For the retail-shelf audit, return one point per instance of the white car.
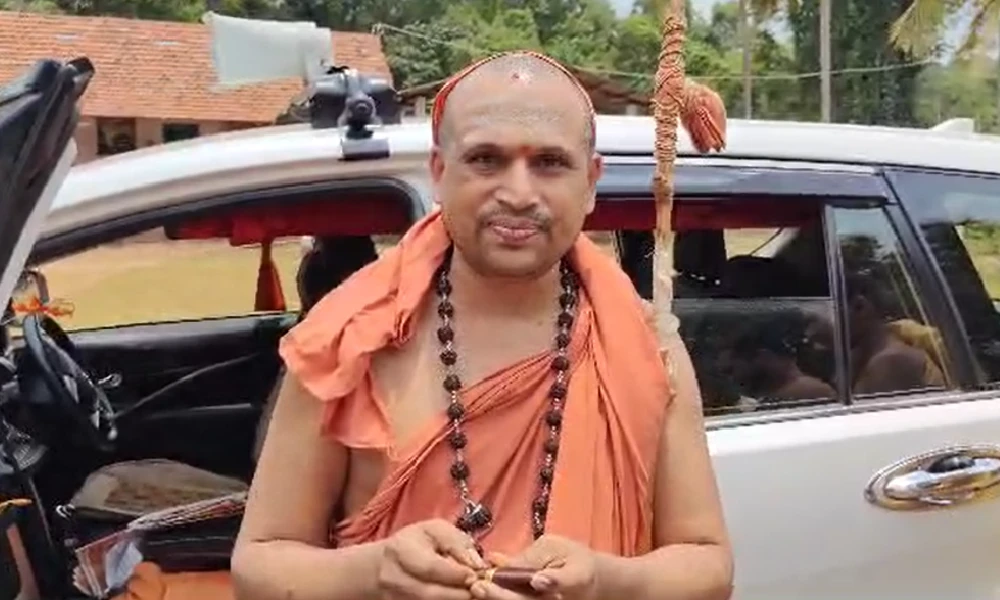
(834, 286)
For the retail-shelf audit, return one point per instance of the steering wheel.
(74, 390)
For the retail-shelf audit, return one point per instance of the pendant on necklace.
(477, 517)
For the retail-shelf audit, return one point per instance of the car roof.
(275, 155)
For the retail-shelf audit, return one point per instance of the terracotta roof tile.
(158, 69)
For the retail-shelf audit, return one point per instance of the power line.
(379, 28)
(794, 76)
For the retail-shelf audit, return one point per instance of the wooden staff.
(703, 114)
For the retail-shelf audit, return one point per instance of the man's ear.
(436, 164)
(595, 169)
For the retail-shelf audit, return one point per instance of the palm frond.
(766, 9)
(984, 25)
(918, 29)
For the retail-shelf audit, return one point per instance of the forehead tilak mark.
(520, 70)
(531, 114)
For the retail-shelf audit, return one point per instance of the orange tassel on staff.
(703, 114)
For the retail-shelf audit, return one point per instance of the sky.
(952, 36)
(622, 7)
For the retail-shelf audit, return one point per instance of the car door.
(169, 314)
(873, 496)
(881, 487)
(37, 120)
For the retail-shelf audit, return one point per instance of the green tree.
(585, 37)
(415, 61)
(964, 88)
(712, 51)
(920, 28)
(432, 50)
(858, 38)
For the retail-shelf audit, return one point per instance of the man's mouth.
(514, 231)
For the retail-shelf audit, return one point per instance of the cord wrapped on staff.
(703, 114)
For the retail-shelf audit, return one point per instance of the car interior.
(107, 425)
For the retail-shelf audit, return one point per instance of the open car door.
(38, 116)
(37, 119)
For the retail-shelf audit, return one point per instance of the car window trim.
(937, 301)
(926, 292)
(838, 291)
(932, 278)
(89, 236)
(903, 401)
(636, 181)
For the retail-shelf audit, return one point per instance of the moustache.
(516, 221)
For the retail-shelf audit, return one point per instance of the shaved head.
(518, 87)
(513, 164)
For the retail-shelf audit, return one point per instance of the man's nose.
(519, 189)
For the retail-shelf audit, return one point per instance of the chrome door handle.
(944, 488)
(940, 478)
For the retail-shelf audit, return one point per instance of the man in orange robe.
(488, 391)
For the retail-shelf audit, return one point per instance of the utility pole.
(996, 121)
(824, 61)
(746, 38)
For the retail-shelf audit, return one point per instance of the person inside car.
(326, 264)
(765, 361)
(884, 362)
(429, 396)
(888, 353)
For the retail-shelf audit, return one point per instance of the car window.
(893, 346)
(750, 278)
(959, 217)
(251, 255)
(150, 278)
(759, 317)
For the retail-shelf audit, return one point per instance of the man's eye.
(483, 160)
(551, 161)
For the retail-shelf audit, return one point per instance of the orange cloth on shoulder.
(602, 492)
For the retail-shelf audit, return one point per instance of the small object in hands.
(515, 579)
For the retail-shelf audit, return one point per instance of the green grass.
(159, 280)
(143, 282)
(985, 256)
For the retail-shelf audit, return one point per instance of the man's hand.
(565, 569)
(430, 560)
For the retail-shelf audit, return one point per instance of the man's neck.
(501, 296)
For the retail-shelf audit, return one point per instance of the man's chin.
(518, 264)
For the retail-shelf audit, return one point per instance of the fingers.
(422, 562)
(539, 555)
(450, 541)
(497, 559)
(431, 591)
(571, 576)
(484, 590)
(399, 584)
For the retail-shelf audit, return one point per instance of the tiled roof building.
(158, 75)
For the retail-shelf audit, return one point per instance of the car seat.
(761, 277)
(699, 258)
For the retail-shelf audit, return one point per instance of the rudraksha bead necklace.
(475, 518)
